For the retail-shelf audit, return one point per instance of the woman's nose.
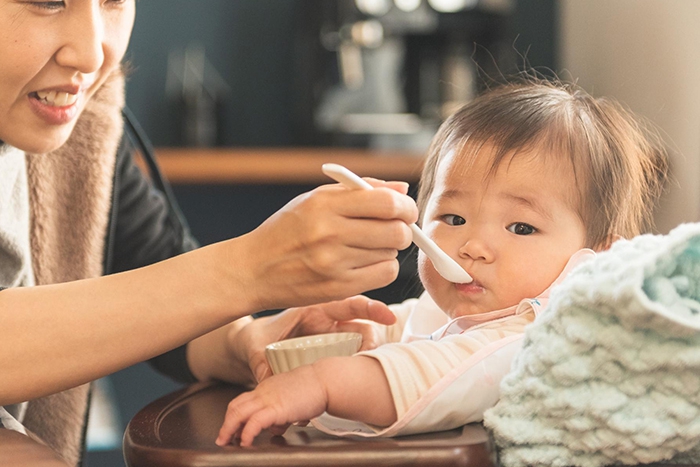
(476, 249)
(82, 49)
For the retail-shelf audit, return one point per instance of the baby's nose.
(476, 249)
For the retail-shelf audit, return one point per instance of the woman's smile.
(56, 106)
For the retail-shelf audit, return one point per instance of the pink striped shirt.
(445, 373)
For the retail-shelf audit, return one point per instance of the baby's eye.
(520, 228)
(453, 219)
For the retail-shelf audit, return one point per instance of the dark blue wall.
(247, 41)
(252, 45)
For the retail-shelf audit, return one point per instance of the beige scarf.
(70, 193)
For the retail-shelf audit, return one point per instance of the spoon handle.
(345, 176)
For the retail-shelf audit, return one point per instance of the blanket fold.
(609, 373)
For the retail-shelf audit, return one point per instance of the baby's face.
(513, 232)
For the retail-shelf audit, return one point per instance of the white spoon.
(444, 264)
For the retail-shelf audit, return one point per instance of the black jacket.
(145, 226)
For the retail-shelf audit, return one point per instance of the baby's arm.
(348, 387)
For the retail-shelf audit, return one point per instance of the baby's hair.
(620, 162)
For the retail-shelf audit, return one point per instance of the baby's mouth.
(55, 98)
(474, 286)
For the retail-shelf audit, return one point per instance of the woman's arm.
(323, 245)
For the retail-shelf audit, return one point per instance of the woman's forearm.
(59, 336)
(217, 355)
(324, 245)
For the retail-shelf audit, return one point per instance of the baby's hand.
(289, 397)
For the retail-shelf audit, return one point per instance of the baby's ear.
(607, 243)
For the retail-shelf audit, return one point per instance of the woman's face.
(54, 55)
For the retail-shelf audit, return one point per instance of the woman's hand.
(236, 353)
(324, 245)
(328, 244)
(340, 316)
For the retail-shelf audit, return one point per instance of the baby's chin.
(474, 309)
(470, 310)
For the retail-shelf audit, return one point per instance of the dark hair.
(620, 162)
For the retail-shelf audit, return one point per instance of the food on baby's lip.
(290, 353)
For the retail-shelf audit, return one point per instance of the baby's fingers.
(239, 410)
(279, 430)
(260, 420)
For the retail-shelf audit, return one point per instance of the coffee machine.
(385, 73)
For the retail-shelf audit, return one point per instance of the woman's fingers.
(370, 337)
(360, 233)
(338, 316)
(371, 276)
(335, 260)
(380, 203)
(401, 187)
(350, 315)
(262, 369)
(327, 244)
(262, 332)
(359, 307)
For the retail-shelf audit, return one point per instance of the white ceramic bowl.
(288, 354)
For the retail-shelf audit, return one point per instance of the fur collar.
(70, 194)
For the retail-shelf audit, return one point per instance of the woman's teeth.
(57, 98)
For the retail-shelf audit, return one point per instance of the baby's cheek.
(531, 285)
(423, 267)
(429, 277)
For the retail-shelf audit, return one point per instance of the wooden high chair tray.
(178, 430)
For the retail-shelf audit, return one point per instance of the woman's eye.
(452, 219)
(520, 228)
(49, 5)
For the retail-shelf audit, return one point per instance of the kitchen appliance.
(385, 73)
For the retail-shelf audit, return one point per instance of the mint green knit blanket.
(609, 373)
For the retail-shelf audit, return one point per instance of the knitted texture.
(609, 373)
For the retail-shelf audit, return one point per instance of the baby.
(519, 186)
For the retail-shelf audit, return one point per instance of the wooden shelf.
(281, 165)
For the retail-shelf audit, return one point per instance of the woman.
(73, 208)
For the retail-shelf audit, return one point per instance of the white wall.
(645, 53)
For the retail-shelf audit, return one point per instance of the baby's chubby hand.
(276, 402)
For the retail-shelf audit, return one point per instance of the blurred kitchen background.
(369, 73)
(259, 85)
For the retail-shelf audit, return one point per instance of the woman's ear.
(607, 243)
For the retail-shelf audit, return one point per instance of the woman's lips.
(50, 112)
